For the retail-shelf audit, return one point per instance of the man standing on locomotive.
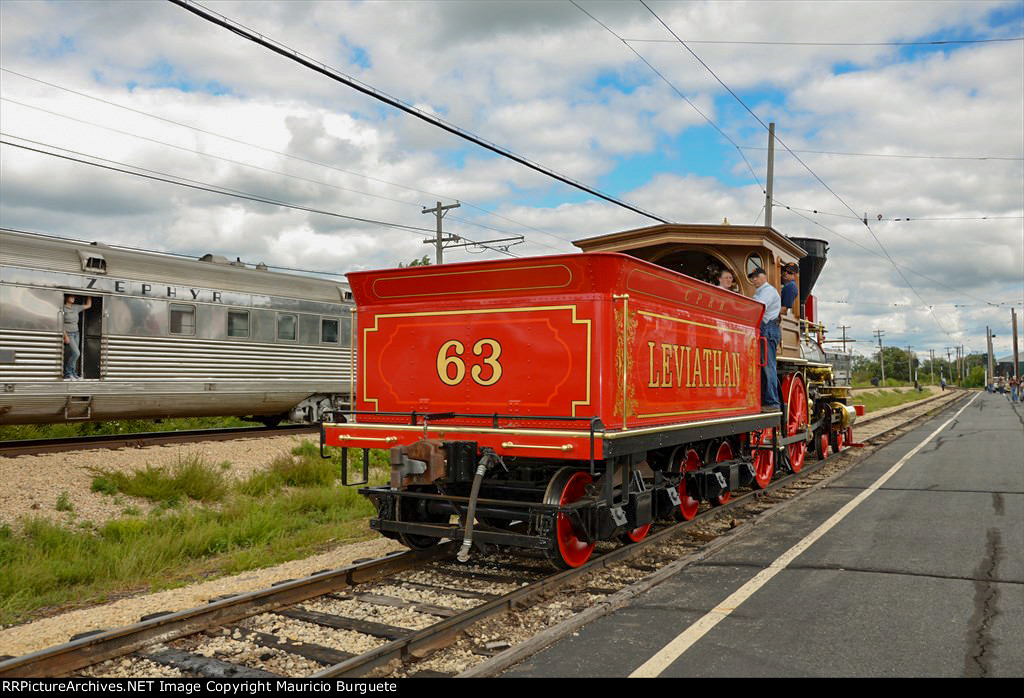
(767, 295)
(789, 290)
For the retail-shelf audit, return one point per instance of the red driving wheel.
(796, 419)
(764, 459)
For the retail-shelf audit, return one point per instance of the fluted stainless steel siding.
(141, 358)
(37, 356)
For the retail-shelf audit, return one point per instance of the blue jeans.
(71, 363)
(1014, 393)
(770, 372)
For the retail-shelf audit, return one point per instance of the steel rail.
(440, 634)
(87, 651)
(113, 441)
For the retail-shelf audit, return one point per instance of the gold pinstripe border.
(479, 271)
(486, 311)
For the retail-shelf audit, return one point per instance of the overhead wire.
(834, 43)
(678, 92)
(894, 155)
(212, 188)
(336, 75)
(298, 158)
(797, 158)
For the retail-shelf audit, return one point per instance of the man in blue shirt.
(767, 295)
(789, 290)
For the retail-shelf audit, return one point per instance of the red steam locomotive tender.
(552, 402)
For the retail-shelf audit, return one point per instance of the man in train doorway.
(790, 292)
(767, 295)
(71, 335)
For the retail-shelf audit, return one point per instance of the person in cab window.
(71, 335)
(789, 290)
(726, 280)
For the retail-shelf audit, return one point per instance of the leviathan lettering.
(682, 365)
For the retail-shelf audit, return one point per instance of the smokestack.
(812, 264)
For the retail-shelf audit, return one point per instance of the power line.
(877, 254)
(204, 186)
(797, 157)
(830, 43)
(337, 76)
(245, 164)
(231, 139)
(906, 219)
(894, 155)
(674, 89)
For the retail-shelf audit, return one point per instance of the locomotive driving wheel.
(796, 419)
(764, 459)
(719, 452)
(838, 439)
(689, 461)
(566, 487)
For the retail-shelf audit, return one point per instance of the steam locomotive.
(552, 402)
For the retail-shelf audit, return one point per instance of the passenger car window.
(328, 331)
(238, 323)
(183, 319)
(286, 327)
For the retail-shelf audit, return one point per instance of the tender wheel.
(566, 487)
(764, 460)
(690, 461)
(719, 453)
(796, 419)
(413, 510)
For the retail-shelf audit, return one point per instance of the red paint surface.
(544, 313)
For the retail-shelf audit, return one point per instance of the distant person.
(769, 297)
(942, 382)
(874, 382)
(71, 336)
(1014, 388)
(790, 293)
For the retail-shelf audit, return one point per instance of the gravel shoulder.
(32, 484)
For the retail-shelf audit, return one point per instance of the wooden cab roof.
(724, 245)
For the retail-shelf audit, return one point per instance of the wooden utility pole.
(881, 356)
(770, 177)
(931, 363)
(439, 241)
(990, 367)
(910, 365)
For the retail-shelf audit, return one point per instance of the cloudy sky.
(150, 86)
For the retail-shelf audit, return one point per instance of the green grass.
(873, 401)
(296, 510)
(124, 426)
(64, 502)
(189, 478)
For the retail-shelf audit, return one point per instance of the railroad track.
(394, 610)
(29, 447)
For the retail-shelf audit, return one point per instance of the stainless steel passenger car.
(166, 336)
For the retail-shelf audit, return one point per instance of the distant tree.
(422, 262)
(976, 378)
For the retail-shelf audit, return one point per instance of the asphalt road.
(923, 577)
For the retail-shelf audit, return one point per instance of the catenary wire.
(337, 76)
(250, 165)
(204, 186)
(832, 43)
(798, 159)
(231, 139)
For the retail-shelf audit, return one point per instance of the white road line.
(673, 650)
